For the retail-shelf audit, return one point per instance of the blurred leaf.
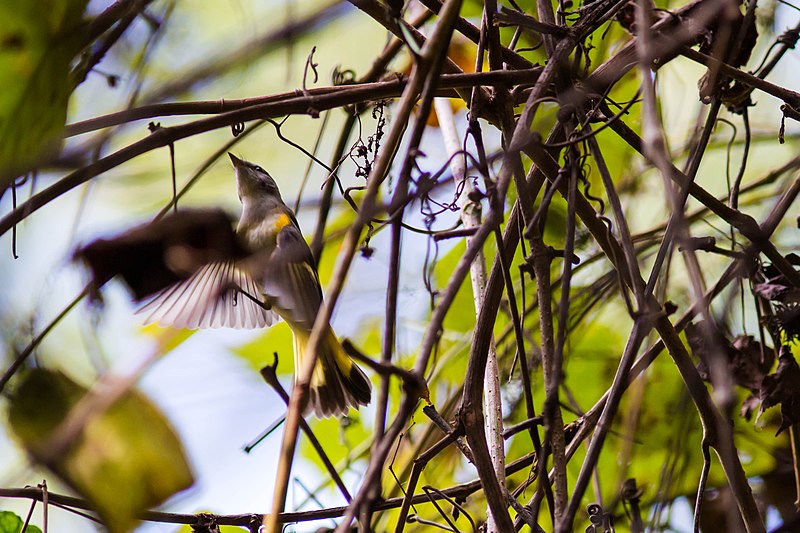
(167, 339)
(125, 461)
(335, 231)
(370, 339)
(465, 320)
(11, 523)
(259, 352)
(38, 41)
(339, 438)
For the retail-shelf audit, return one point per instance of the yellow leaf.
(124, 461)
(167, 339)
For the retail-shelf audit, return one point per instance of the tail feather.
(337, 382)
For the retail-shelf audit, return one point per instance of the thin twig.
(269, 375)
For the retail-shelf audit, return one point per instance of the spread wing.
(210, 299)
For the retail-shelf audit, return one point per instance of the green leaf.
(38, 41)
(126, 459)
(11, 523)
(260, 352)
(340, 439)
(456, 321)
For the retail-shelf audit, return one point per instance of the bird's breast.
(261, 232)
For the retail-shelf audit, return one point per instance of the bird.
(278, 279)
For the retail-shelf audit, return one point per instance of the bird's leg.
(265, 304)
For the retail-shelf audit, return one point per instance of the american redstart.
(278, 278)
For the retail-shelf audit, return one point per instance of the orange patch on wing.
(281, 221)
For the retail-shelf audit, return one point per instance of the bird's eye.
(258, 168)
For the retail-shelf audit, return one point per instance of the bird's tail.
(337, 382)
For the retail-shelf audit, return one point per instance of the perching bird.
(280, 277)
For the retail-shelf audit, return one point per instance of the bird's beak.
(235, 160)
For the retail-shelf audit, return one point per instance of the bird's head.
(252, 181)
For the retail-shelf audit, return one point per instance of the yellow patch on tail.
(336, 383)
